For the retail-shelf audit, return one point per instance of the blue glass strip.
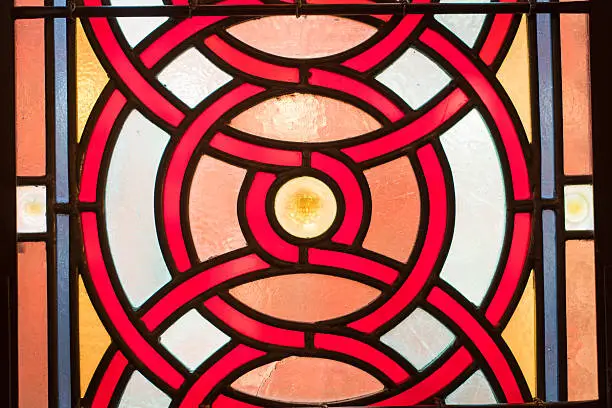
(551, 352)
(546, 106)
(62, 192)
(62, 247)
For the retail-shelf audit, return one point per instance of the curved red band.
(332, 80)
(178, 165)
(513, 270)
(256, 153)
(410, 133)
(481, 339)
(249, 65)
(109, 381)
(115, 312)
(253, 328)
(363, 352)
(97, 146)
(429, 386)
(221, 369)
(353, 200)
(436, 229)
(259, 224)
(197, 285)
(488, 95)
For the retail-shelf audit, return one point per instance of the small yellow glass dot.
(576, 207)
(305, 207)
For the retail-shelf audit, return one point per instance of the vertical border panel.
(62, 250)
(601, 91)
(551, 351)
(8, 222)
(62, 190)
(546, 104)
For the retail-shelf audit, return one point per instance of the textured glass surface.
(581, 321)
(578, 207)
(141, 268)
(420, 338)
(32, 322)
(576, 94)
(307, 298)
(254, 211)
(305, 37)
(30, 97)
(307, 380)
(31, 209)
(192, 339)
(480, 208)
(139, 392)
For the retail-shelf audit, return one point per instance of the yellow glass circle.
(305, 207)
(576, 207)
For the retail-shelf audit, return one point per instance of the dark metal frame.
(602, 145)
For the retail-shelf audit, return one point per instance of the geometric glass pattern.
(253, 211)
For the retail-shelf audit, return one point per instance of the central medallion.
(305, 207)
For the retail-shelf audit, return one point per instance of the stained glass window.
(252, 210)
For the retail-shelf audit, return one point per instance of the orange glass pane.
(576, 94)
(581, 321)
(30, 97)
(32, 324)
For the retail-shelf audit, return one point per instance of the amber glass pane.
(30, 97)
(32, 324)
(581, 321)
(576, 94)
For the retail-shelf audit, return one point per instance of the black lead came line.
(302, 9)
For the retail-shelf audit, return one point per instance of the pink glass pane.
(395, 209)
(305, 297)
(32, 324)
(576, 94)
(581, 321)
(307, 380)
(302, 117)
(30, 96)
(212, 208)
(306, 37)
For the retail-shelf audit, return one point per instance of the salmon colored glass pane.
(91, 78)
(520, 335)
(305, 297)
(213, 215)
(396, 208)
(32, 324)
(581, 321)
(307, 380)
(302, 117)
(514, 76)
(30, 96)
(93, 338)
(29, 2)
(576, 94)
(306, 37)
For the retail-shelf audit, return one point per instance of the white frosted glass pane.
(31, 209)
(136, 29)
(579, 207)
(192, 77)
(475, 390)
(464, 26)
(420, 338)
(480, 207)
(192, 339)
(130, 215)
(140, 393)
(414, 77)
